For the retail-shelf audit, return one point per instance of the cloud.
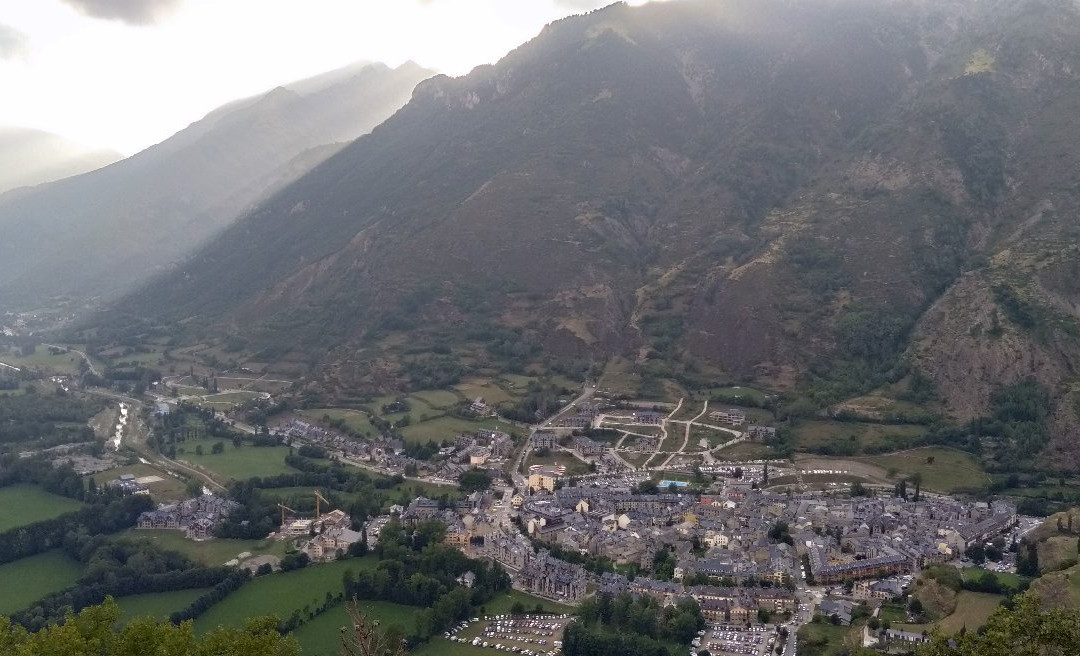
(132, 12)
(583, 5)
(13, 43)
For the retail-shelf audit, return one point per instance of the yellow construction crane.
(283, 509)
(319, 497)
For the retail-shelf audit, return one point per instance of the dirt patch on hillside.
(842, 467)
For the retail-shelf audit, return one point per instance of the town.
(759, 559)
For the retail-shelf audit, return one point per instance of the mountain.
(96, 234)
(826, 197)
(30, 157)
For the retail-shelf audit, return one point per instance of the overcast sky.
(126, 74)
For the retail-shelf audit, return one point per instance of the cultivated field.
(158, 605)
(25, 581)
(281, 594)
(354, 419)
(26, 504)
(233, 463)
(972, 610)
(322, 637)
(447, 428)
(942, 469)
(208, 552)
(810, 435)
(491, 392)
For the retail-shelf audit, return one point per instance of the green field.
(447, 428)
(44, 361)
(236, 464)
(322, 636)
(438, 399)
(828, 640)
(354, 419)
(491, 392)
(812, 435)
(745, 451)
(25, 504)
(734, 394)
(281, 594)
(29, 579)
(158, 605)
(208, 552)
(950, 471)
(972, 610)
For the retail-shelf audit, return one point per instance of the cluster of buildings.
(128, 484)
(584, 416)
(740, 539)
(732, 416)
(879, 538)
(196, 517)
(333, 535)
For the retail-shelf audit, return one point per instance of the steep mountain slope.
(750, 189)
(30, 157)
(96, 234)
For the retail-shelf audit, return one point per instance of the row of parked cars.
(523, 629)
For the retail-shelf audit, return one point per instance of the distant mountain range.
(30, 157)
(829, 196)
(96, 234)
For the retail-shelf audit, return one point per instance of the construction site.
(324, 536)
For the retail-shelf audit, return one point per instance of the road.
(663, 434)
(85, 357)
(8, 366)
(518, 469)
(686, 435)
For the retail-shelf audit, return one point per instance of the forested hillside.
(829, 196)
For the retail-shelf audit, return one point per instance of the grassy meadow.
(281, 594)
(25, 504)
(24, 581)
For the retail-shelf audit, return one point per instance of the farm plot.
(25, 504)
(29, 579)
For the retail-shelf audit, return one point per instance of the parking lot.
(722, 639)
(529, 635)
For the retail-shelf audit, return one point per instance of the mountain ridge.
(795, 195)
(96, 234)
(31, 157)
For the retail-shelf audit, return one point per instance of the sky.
(126, 74)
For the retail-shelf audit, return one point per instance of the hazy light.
(111, 83)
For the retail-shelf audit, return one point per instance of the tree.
(762, 616)
(916, 606)
(93, 631)
(198, 450)
(1025, 630)
(976, 553)
(363, 638)
(193, 487)
(219, 447)
(474, 480)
